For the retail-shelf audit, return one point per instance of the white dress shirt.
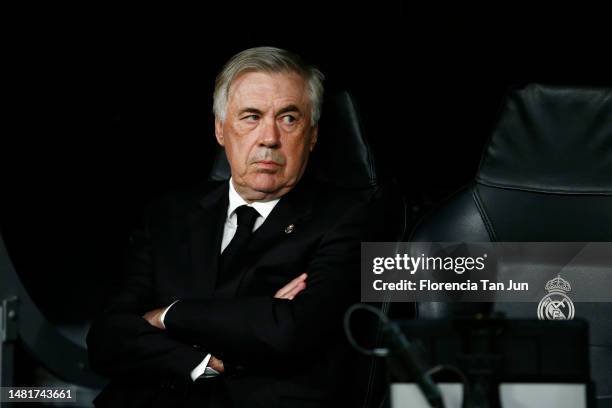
(229, 230)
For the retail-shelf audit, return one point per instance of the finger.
(292, 293)
(217, 364)
(285, 290)
(148, 319)
(290, 286)
(300, 287)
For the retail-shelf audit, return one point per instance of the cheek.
(238, 148)
(236, 159)
(297, 155)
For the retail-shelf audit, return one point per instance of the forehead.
(262, 88)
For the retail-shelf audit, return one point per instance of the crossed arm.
(288, 292)
(124, 345)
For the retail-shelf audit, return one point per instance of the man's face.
(267, 133)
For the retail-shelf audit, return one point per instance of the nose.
(269, 135)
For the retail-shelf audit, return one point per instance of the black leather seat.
(545, 175)
(342, 157)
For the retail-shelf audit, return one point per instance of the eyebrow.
(286, 109)
(289, 108)
(250, 110)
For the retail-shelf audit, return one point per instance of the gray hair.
(271, 60)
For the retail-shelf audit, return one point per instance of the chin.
(265, 183)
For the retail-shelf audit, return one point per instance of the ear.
(313, 137)
(219, 132)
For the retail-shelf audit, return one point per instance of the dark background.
(103, 115)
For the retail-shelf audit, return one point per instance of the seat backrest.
(545, 175)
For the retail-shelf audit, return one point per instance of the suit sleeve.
(121, 343)
(264, 329)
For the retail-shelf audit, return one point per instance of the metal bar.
(8, 335)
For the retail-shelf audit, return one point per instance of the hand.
(290, 290)
(154, 317)
(216, 364)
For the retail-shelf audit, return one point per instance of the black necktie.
(230, 260)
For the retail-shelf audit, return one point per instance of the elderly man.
(234, 295)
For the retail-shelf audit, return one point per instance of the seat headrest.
(552, 139)
(342, 155)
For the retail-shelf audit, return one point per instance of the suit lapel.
(286, 217)
(288, 212)
(206, 228)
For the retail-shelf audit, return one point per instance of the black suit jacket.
(280, 352)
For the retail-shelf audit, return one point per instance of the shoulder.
(327, 198)
(332, 206)
(179, 203)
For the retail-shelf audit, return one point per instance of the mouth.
(267, 163)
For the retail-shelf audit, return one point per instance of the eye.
(288, 119)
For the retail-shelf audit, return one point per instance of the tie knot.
(246, 216)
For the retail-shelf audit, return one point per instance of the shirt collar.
(264, 208)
